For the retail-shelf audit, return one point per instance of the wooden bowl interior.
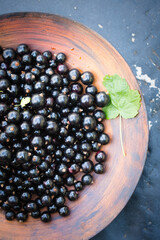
(100, 203)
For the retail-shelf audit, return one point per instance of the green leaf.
(124, 102)
(115, 84)
(129, 104)
(111, 111)
(25, 101)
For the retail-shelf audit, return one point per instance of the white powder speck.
(100, 26)
(133, 39)
(158, 94)
(75, 7)
(150, 124)
(133, 34)
(144, 77)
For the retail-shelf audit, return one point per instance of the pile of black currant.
(49, 126)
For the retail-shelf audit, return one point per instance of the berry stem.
(121, 139)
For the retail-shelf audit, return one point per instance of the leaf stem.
(120, 132)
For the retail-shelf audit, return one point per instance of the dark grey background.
(133, 28)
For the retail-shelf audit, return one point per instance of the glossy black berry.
(26, 115)
(56, 80)
(89, 123)
(4, 139)
(98, 168)
(45, 216)
(36, 214)
(76, 87)
(31, 206)
(22, 49)
(63, 190)
(72, 195)
(41, 60)
(74, 168)
(48, 184)
(47, 54)
(37, 141)
(26, 59)
(78, 186)
(59, 201)
(39, 203)
(4, 97)
(74, 75)
(85, 147)
(61, 57)
(91, 136)
(25, 128)
(58, 180)
(10, 215)
(62, 169)
(37, 101)
(39, 86)
(52, 127)
(70, 180)
(13, 200)
(8, 54)
(52, 208)
(5, 206)
(4, 84)
(46, 200)
(43, 166)
(22, 156)
(25, 196)
(5, 155)
(64, 211)
(74, 119)
(87, 179)
(99, 128)
(62, 69)
(29, 77)
(79, 158)
(87, 166)
(53, 63)
(9, 189)
(99, 115)
(87, 78)
(103, 138)
(62, 100)
(100, 156)
(21, 216)
(38, 122)
(102, 99)
(87, 100)
(91, 89)
(15, 66)
(54, 191)
(2, 195)
(69, 153)
(96, 146)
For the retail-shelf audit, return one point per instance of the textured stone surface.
(132, 27)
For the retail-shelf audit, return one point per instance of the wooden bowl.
(100, 203)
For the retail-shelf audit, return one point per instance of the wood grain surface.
(101, 202)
